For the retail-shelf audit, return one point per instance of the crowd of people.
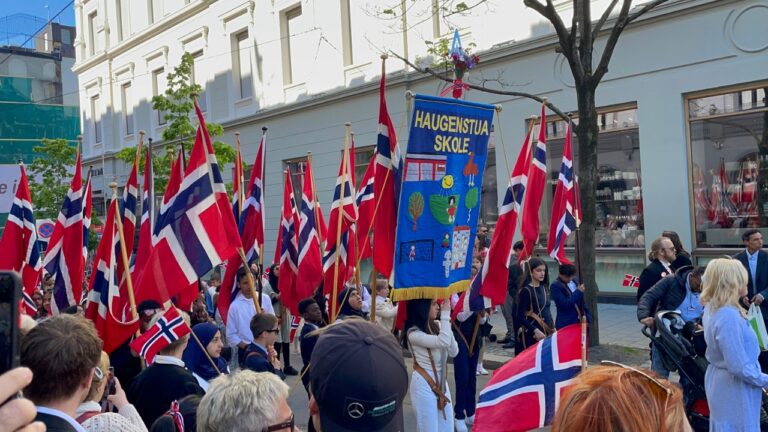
(232, 377)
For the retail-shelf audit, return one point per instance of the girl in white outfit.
(430, 343)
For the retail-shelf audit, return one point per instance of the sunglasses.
(285, 425)
(275, 331)
(657, 386)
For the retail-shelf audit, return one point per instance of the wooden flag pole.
(240, 175)
(340, 210)
(261, 246)
(583, 343)
(124, 257)
(251, 285)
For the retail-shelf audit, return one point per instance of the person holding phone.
(105, 387)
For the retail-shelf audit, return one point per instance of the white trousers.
(428, 417)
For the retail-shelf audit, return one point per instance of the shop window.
(619, 198)
(728, 132)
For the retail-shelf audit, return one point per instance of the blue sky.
(38, 8)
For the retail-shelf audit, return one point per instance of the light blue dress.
(733, 380)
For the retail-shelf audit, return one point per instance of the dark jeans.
(465, 377)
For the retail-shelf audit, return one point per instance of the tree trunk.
(587, 133)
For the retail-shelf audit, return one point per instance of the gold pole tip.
(409, 94)
(263, 128)
(142, 132)
(79, 137)
(237, 134)
(113, 185)
(194, 95)
(499, 108)
(309, 153)
(347, 124)
(534, 117)
(384, 56)
(544, 99)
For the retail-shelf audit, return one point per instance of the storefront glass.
(729, 165)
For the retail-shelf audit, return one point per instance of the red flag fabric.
(20, 251)
(387, 187)
(631, 281)
(366, 204)
(65, 257)
(168, 328)
(525, 392)
(105, 299)
(495, 271)
(537, 180)
(563, 220)
(289, 249)
(195, 228)
(310, 267)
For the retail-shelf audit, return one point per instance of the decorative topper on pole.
(463, 60)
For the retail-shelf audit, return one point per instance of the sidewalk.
(619, 336)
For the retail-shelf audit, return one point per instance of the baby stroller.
(682, 347)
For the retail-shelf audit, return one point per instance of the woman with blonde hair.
(614, 397)
(90, 415)
(733, 381)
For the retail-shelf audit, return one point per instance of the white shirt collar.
(164, 359)
(61, 415)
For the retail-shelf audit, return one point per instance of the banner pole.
(261, 246)
(342, 198)
(251, 285)
(124, 257)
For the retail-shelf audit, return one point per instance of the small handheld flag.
(170, 327)
(631, 281)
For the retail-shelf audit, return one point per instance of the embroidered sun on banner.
(440, 197)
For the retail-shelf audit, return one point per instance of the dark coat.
(54, 424)
(257, 360)
(682, 260)
(761, 274)
(566, 303)
(650, 275)
(153, 390)
(667, 294)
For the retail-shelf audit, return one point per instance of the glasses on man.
(275, 331)
(656, 386)
(278, 427)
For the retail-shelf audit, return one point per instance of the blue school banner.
(440, 197)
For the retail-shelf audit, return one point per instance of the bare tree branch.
(648, 6)
(599, 24)
(539, 99)
(565, 38)
(610, 45)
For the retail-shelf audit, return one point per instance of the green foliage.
(56, 157)
(178, 108)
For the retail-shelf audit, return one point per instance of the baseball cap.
(358, 378)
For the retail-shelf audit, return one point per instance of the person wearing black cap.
(431, 343)
(127, 364)
(359, 379)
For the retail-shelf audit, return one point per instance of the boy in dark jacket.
(568, 295)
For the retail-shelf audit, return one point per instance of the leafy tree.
(54, 163)
(177, 106)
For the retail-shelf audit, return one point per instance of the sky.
(38, 8)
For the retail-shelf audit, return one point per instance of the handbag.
(755, 319)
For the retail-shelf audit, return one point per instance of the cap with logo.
(358, 378)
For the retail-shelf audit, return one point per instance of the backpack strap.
(82, 418)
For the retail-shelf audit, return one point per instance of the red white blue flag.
(366, 204)
(147, 217)
(537, 180)
(289, 249)
(310, 267)
(20, 251)
(106, 305)
(525, 392)
(170, 327)
(563, 221)
(387, 181)
(65, 257)
(195, 228)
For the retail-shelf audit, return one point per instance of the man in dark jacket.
(508, 308)
(755, 261)
(661, 257)
(678, 292)
(568, 295)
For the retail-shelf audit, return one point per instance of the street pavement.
(619, 330)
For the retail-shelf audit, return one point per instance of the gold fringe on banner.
(438, 293)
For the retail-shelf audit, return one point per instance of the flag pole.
(240, 175)
(251, 285)
(340, 210)
(314, 201)
(124, 257)
(261, 246)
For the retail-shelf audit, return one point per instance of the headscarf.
(346, 308)
(195, 359)
(273, 278)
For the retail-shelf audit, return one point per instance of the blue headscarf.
(194, 357)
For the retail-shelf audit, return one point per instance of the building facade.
(683, 108)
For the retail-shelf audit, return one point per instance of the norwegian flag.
(29, 305)
(366, 204)
(343, 214)
(353, 231)
(537, 180)
(289, 249)
(170, 327)
(128, 207)
(251, 227)
(387, 187)
(238, 182)
(310, 265)
(563, 221)
(147, 216)
(295, 321)
(65, 258)
(195, 229)
(19, 243)
(104, 296)
(722, 209)
(631, 281)
(525, 392)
